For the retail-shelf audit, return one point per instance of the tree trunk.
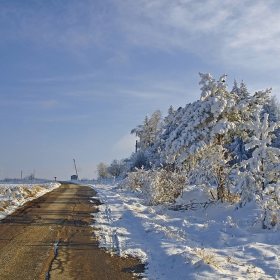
(221, 176)
(262, 170)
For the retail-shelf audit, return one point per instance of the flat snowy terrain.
(212, 241)
(15, 193)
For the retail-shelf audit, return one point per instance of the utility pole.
(76, 169)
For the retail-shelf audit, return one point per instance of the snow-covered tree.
(170, 115)
(272, 107)
(168, 125)
(210, 121)
(139, 129)
(237, 150)
(264, 163)
(260, 180)
(243, 92)
(203, 133)
(240, 91)
(201, 121)
(213, 168)
(235, 88)
(149, 130)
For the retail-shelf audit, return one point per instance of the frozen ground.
(16, 192)
(217, 241)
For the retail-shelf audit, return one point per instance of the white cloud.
(125, 146)
(224, 31)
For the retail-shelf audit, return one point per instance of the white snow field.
(212, 241)
(15, 193)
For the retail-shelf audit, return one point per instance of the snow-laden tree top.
(217, 113)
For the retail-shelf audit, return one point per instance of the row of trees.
(227, 138)
(115, 169)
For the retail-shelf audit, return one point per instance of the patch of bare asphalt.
(50, 238)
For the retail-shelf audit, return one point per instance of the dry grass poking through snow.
(4, 206)
(208, 257)
(13, 195)
(17, 194)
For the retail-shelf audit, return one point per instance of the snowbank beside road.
(15, 194)
(217, 242)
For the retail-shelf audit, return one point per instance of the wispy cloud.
(65, 119)
(58, 79)
(28, 104)
(73, 26)
(148, 95)
(49, 104)
(224, 31)
(221, 30)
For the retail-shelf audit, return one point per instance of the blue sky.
(77, 76)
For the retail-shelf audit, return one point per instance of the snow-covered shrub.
(166, 185)
(156, 186)
(135, 180)
(139, 160)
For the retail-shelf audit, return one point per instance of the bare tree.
(116, 168)
(102, 170)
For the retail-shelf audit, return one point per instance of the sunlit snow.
(216, 241)
(16, 192)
